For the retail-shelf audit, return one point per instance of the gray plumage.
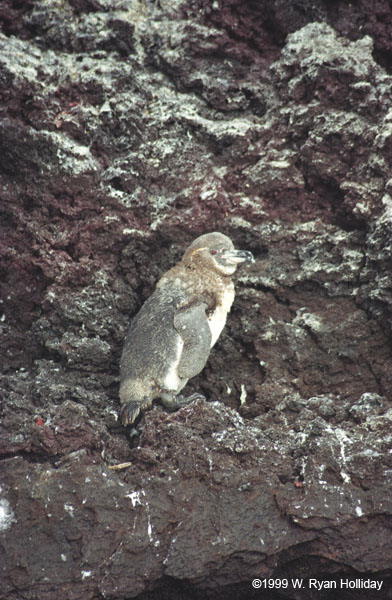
(170, 339)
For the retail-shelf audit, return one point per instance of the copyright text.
(318, 584)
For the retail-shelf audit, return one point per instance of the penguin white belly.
(172, 382)
(217, 320)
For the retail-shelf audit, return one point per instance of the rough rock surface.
(128, 128)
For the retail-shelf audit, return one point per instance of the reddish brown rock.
(125, 132)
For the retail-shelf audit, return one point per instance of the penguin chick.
(170, 339)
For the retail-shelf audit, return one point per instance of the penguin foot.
(175, 402)
(131, 411)
(183, 401)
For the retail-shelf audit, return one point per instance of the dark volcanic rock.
(126, 130)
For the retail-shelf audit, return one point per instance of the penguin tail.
(131, 410)
(135, 396)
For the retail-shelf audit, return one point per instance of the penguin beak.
(236, 257)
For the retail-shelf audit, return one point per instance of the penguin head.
(216, 251)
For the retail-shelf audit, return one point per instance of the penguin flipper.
(191, 324)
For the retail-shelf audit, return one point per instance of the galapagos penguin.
(170, 338)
